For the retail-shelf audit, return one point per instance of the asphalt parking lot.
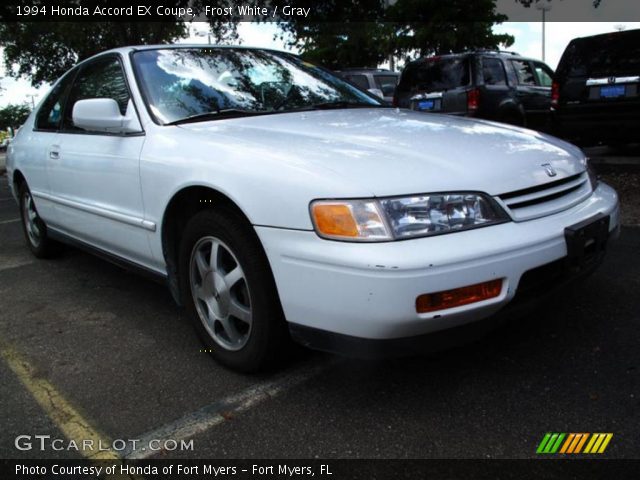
(91, 350)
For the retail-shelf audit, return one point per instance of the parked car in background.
(493, 85)
(376, 81)
(596, 90)
(279, 201)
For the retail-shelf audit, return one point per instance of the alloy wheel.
(221, 293)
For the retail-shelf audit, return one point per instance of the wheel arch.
(509, 107)
(18, 179)
(183, 205)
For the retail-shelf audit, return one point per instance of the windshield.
(435, 74)
(179, 83)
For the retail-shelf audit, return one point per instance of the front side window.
(359, 80)
(544, 74)
(102, 78)
(493, 72)
(524, 73)
(183, 83)
(49, 116)
(386, 83)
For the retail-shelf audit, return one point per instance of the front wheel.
(229, 291)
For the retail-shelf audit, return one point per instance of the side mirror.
(376, 91)
(103, 115)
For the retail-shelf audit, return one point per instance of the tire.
(513, 118)
(231, 297)
(34, 229)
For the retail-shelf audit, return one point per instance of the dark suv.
(500, 86)
(596, 90)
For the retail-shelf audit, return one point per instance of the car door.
(496, 92)
(35, 148)
(94, 176)
(542, 99)
(534, 98)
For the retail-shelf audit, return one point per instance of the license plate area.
(428, 104)
(612, 91)
(586, 242)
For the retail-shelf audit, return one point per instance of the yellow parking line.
(74, 426)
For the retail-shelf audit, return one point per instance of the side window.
(101, 79)
(544, 74)
(360, 80)
(50, 114)
(524, 74)
(493, 72)
(386, 83)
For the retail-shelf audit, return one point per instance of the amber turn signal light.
(335, 220)
(430, 302)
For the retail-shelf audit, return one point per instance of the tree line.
(42, 52)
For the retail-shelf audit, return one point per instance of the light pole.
(207, 34)
(545, 7)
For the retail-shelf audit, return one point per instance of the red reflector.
(555, 94)
(457, 297)
(473, 100)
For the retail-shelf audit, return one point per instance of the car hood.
(388, 152)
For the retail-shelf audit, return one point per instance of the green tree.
(14, 115)
(371, 30)
(43, 51)
(60, 45)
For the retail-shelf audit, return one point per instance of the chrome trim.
(612, 80)
(426, 96)
(111, 215)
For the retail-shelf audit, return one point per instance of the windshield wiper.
(216, 115)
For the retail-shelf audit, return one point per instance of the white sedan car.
(278, 202)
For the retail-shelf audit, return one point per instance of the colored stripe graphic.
(581, 442)
(572, 443)
(567, 443)
(543, 443)
(550, 443)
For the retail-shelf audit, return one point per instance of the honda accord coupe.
(279, 202)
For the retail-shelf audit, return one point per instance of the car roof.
(367, 70)
(135, 48)
(124, 51)
(496, 53)
(631, 33)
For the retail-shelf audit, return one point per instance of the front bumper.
(369, 290)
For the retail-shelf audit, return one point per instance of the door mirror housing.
(103, 115)
(376, 91)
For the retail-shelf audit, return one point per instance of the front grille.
(546, 199)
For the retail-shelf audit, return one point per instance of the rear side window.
(359, 80)
(386, 83)
(50, 114)
(103, 78)
(524, 73)
(436, 74)
(615, 54)
(493, 72)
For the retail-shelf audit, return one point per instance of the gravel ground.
(627, 184)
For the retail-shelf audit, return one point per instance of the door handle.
(54, 153)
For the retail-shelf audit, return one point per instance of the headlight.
(404, 217)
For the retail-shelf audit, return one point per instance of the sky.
(528, 42)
